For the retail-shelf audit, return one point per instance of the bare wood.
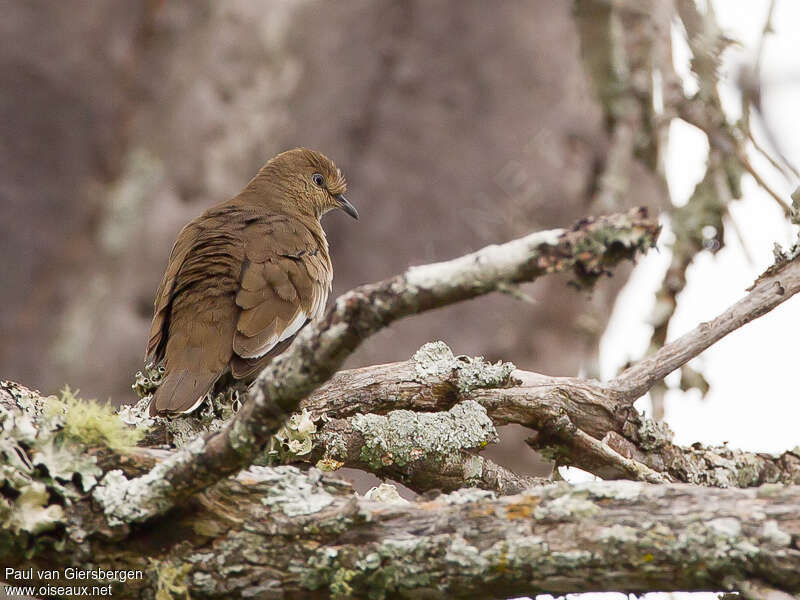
(595, 456)
(774, 288)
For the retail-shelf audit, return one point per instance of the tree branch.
(425, 451)
(773, 288)
(756, 590)
(549, 539)
(588, 250)
(591, 454)
(277, 532)
(585, 423)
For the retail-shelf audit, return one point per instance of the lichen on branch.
(589, 249)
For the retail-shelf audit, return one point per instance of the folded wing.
(285, 283)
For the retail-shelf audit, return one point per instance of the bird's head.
(307, 179)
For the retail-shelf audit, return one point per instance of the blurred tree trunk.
(457, 124)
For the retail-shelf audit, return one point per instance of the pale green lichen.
(328, 464)
(720, 466)
(18, 430)
(650, 434)
(318, 568)
(473, 470)
(111, 493)
(467, 558)
(29, 402)
(64, 460)
(137, 415)
(127, 501)
(292, 491)
(44, 461)
(171, 580)
(91, 423)
(619, 533)
(403, 437)
(30, 511)
(774, 535)
(722, 541)
(146, 381)
(387, 493)
(214, 414)
(574, 504)
(725, 527)
(340, 584)
(241, 438)
(403, 567)
(294, 438)
(466, 496)
(476, 373)
(184, 430)
(435, 361)
(41, 471)
(400, 564)
(612, 490)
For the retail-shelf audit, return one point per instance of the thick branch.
(570, 445)
(282, 533)
(425, 451)
(588, 250)
(579, 421)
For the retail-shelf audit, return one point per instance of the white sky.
(754, 401)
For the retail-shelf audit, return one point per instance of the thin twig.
(742, 156)
(771, 290)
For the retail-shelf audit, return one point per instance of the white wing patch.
(291, 329)
(194, 406)
(318, 309)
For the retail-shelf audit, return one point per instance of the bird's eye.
(318, 179)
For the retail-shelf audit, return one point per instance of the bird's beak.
(346, 206)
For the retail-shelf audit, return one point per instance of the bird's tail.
(181, 391)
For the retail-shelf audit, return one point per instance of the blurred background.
(751, 401)
(458, 123)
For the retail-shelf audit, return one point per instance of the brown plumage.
(243, 278)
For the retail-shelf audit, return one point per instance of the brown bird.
(244, 278)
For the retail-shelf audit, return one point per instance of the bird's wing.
(284, 285)
(200, 315)
(159, 329)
